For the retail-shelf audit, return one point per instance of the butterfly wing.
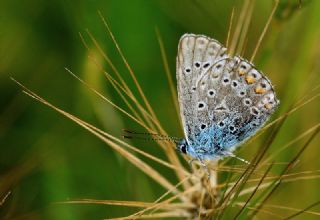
(196, 55)
(216, 89)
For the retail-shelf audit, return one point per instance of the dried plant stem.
(292, 209)
(3, 200)
(276, 153)
(107, 100)
(253, 192)
(264, 30)
(157, 204)
(271, 213)
(124, 87)
(168, 149)
(245, 28)
(168, 73)
(128, 67)
(239, 25)
(277, 120)
(106, 58)
(277, 183)
(136, 204)
(132, 158)
(230, 28)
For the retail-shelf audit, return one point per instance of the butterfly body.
(223, 100)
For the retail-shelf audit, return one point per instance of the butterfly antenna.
(149, 139)
(154, 137)
(148, 133)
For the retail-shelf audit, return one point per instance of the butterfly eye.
(183, 148)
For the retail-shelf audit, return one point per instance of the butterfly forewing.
(196, 55)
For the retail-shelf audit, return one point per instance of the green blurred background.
(46, 158)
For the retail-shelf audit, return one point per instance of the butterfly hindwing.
(244, 100)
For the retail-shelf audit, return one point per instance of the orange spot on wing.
(268, 106)
(250, 79)
(259, 90)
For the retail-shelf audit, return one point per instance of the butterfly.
(223, 99)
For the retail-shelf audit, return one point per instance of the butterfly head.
(183, 147)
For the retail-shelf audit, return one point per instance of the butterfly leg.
(205, 167)
(201, 163)
(239, 158)
(191, 161)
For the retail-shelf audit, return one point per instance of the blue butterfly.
(223, 100)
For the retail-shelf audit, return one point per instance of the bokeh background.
(45, 158)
